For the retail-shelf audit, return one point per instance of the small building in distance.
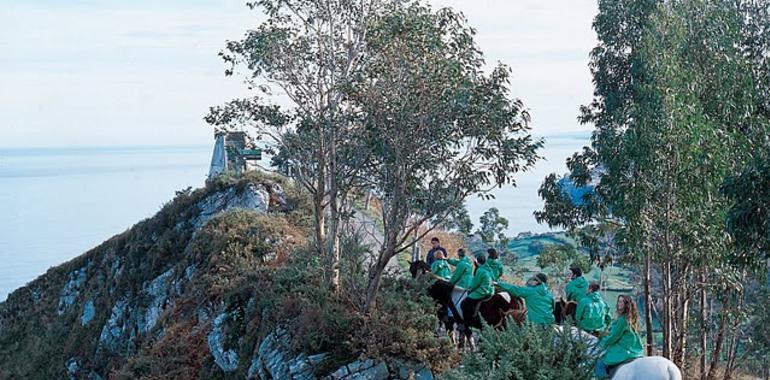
(233, 151)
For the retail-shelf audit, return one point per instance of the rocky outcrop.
(175, 293)
(274, 360)
(71, 289)
(257, 197)
(379, 370)
(226, 359)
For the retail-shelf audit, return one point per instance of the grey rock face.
(361, 369)
(114, 329)
(158, 291)
(226, 359)
(274, 360)
(88, 313)
(252, 197)
(71, 289)
(72, 368)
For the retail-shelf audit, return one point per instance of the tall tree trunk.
(648, 302)
(367, 200)
(667, 309)
(703, 324)
(375, 274)
(720, 338)
(320, 226)
(683, 333)
(732, 352)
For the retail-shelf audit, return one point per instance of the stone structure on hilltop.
(233, 151)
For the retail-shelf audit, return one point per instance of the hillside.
(218, 284)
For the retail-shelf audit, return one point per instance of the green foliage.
(492, 229)
(749, 217)
(437, 127)
(526, 352)
(561, 257)
(459, 220)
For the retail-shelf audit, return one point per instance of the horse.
(418, 268)
(644, 368)
(495, 310)
(564, 309)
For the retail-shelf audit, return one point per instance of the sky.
(145, 72)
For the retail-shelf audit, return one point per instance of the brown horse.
(562, 310)
(494, 311)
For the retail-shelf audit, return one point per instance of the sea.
(57, 203)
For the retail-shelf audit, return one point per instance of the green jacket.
(539, 301)
(622, 344)
(441, 269)
(592, 313)
(482, 286)
(576, 289)
(495, 268)
(463, 275)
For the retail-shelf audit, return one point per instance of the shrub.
(526, 352)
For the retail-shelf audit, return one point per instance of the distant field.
(618, 278)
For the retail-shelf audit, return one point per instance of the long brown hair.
(630, 312)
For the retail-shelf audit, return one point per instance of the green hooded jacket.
(576, 289)
(623, 343)
(482, 286)
(463, 275)
(592, 313)
(539, 301)
(495, 268)
(441, 269)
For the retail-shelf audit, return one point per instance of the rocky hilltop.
(200, 290)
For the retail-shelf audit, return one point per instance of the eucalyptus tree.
(492, 228)
(608, 165)
(438, 128)
(298, 63)
(674, 94)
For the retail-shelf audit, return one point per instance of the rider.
(537, 297)
(463, 275)
(480, 289)
(435, 247)
(496, 269)
(440, 267)
(593, 314)
(623, 344)
(576, 289)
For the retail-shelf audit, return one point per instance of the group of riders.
(620, 338)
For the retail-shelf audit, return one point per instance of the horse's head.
(417, 268)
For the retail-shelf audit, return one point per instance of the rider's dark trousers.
(469, 307)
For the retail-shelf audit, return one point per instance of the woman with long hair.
(624, 343)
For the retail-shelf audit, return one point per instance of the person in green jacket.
(496, 269)
(593, 314)
(463, 274)
(440, 267)
(623, 344)
(480, 289)
(576, 289)
(537, 296)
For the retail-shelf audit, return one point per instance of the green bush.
(526, 352)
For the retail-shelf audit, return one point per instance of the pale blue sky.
(81, 73)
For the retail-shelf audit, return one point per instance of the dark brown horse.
(563, 310)
(494, 311)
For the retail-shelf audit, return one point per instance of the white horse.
(645, 368)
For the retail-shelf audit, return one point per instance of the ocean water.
(57, 203)
(518, 203)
